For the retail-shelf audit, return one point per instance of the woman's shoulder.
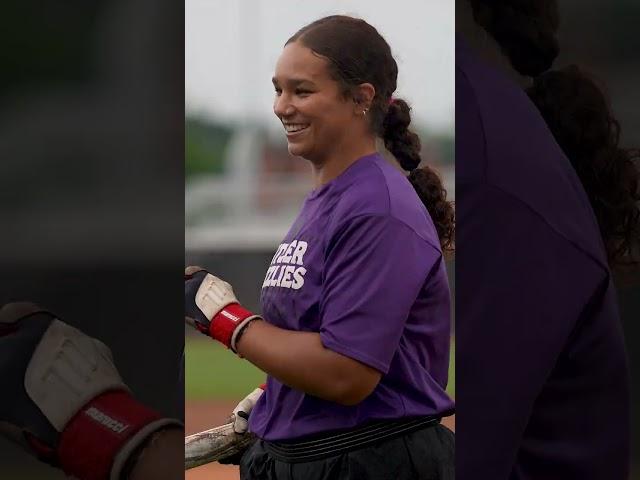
(368, 193)
(384, 193)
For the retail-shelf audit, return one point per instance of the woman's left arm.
(300, 360)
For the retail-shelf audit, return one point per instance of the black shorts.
(424, 454)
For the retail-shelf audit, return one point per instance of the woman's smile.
(294, 130)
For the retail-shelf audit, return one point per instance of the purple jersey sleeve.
(375, 267)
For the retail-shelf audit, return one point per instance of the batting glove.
(212, 307)
(240, 414)
(240, 419)
(63, 399)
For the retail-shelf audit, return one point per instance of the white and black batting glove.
(240, 414)
(64, 400)
(212, 307)
(240, 419)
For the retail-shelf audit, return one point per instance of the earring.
(364, 112)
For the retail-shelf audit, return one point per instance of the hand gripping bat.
(214, 445)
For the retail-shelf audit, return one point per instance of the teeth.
(294, 127)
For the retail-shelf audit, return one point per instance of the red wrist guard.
(99, 439)
(228, 323)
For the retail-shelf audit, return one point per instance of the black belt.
(334, 443)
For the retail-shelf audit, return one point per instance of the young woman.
(354, 333)
(547, 202)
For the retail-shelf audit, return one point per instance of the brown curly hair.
(358, 54)
(581, 121)
(578, 115)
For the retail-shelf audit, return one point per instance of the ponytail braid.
(404, 145)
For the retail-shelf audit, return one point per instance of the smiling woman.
(334, 84)
(356, 307)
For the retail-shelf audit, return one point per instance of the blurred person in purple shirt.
(546, 202)
(356, 302)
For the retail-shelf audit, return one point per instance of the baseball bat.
(213, 445)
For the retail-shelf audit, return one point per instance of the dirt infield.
(201, 415)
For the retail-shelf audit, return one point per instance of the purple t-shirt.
(362, 266)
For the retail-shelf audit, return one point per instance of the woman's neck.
(341, 158)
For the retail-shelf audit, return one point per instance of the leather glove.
(240, 414)
(240, 419)
(63, 398)
(212, 307)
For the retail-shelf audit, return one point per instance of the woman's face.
(315, 114)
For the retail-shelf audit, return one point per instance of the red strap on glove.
(230, 320)
(94, 436)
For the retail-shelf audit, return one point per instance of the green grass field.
(212, 372)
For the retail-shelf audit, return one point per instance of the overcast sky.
(232, 46)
